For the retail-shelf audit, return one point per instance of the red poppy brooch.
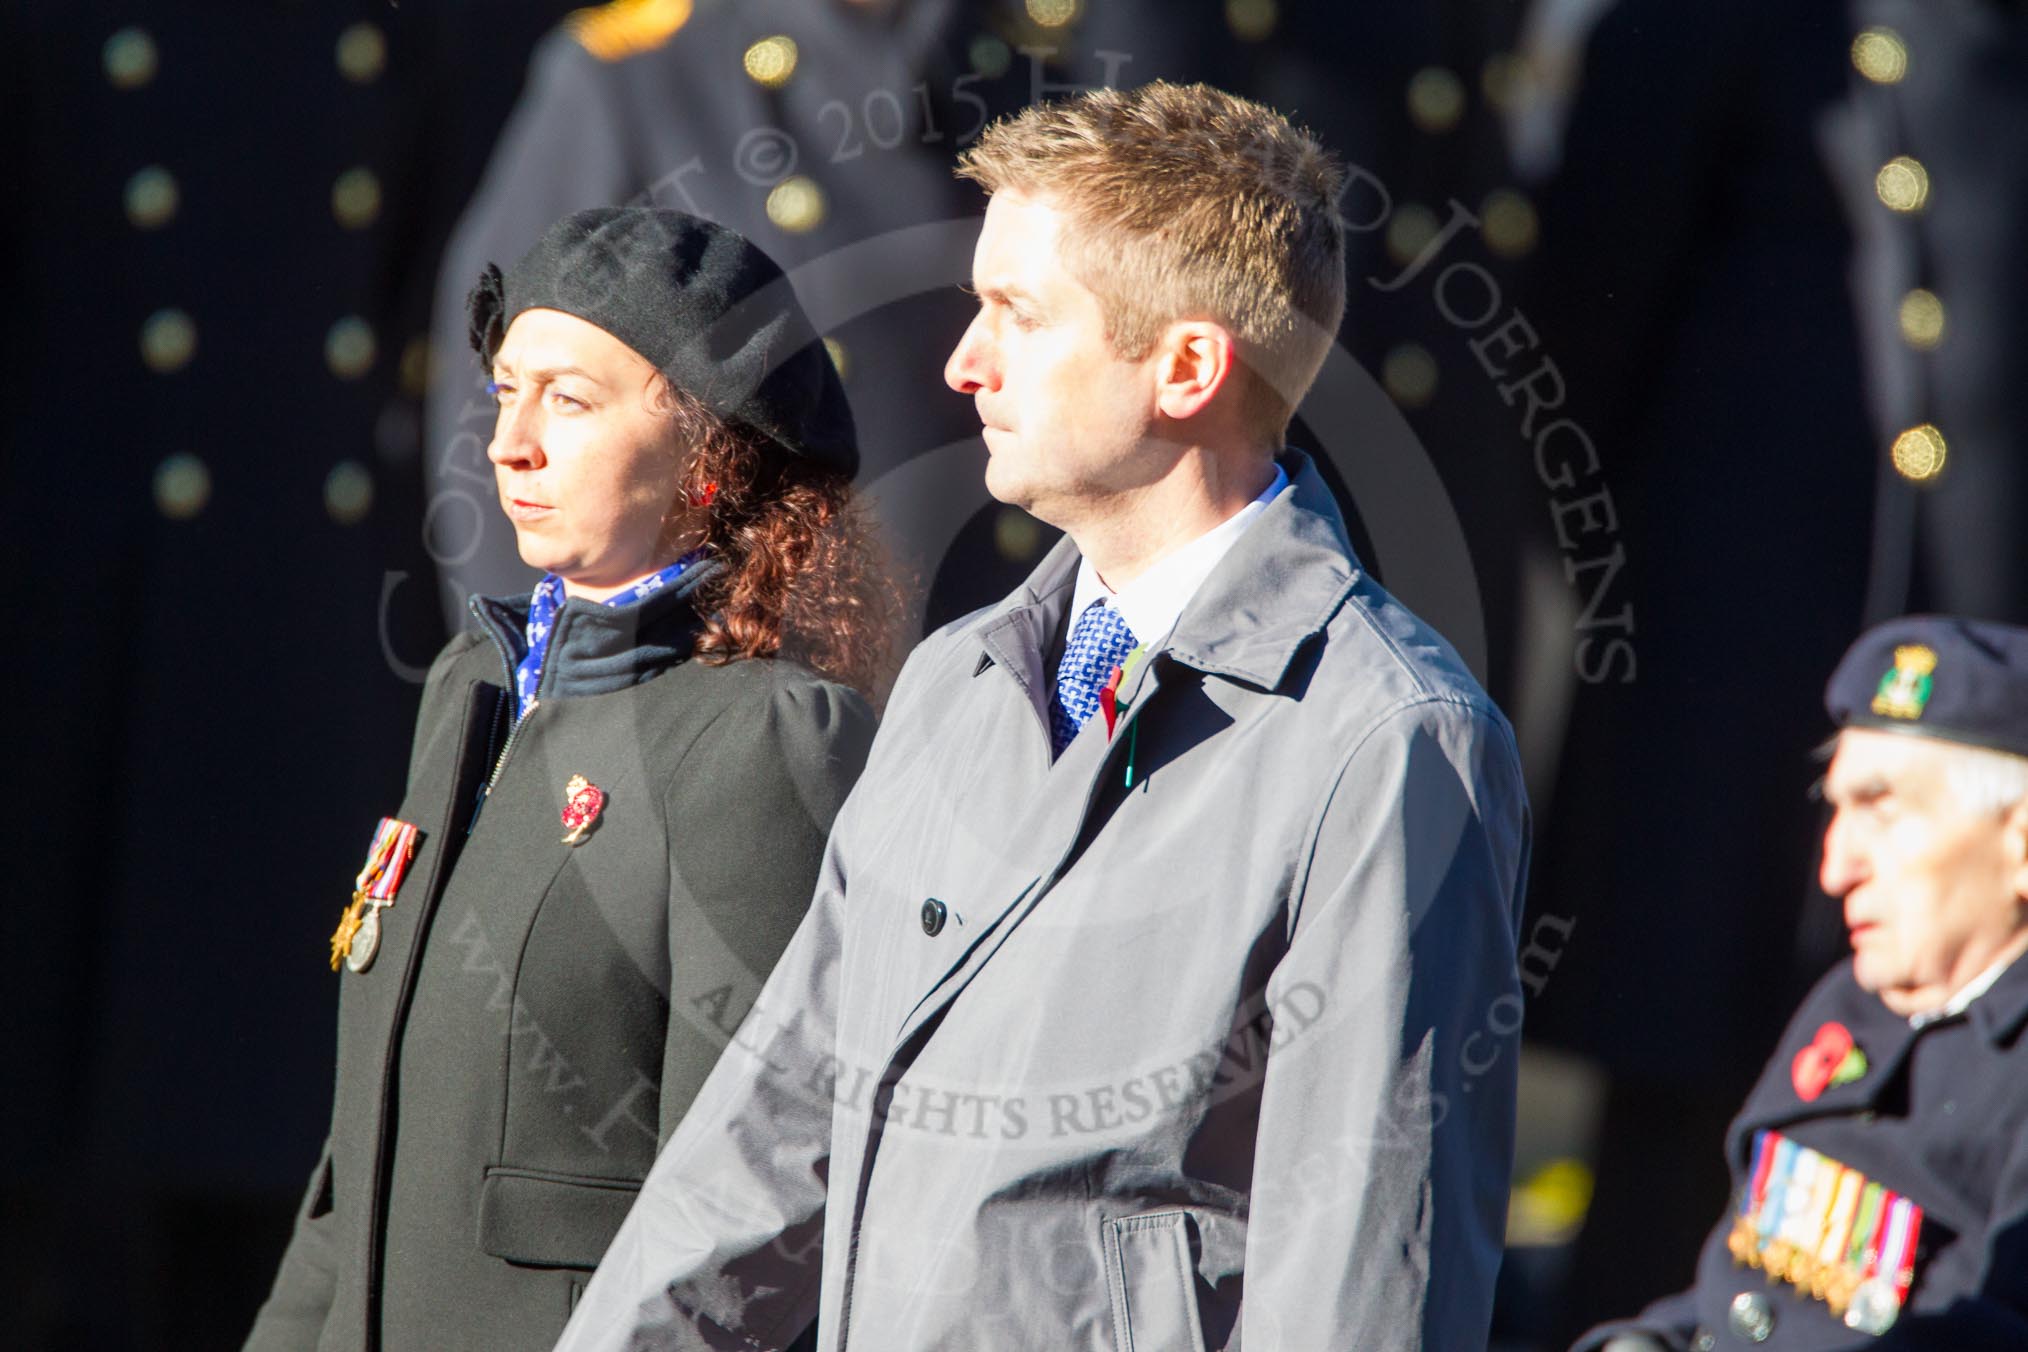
(1832, 1059)
(582, 803)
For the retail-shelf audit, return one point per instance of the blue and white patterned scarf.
(548, 599)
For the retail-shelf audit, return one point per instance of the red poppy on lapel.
(1109, 698)
(582, 803)
(1830, 1059)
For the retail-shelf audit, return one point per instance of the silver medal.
(366, 942)
(1875, 1307)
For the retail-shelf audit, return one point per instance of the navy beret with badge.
(707, 309)
(1938, 676)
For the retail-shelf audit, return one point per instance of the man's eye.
(566, 402)
(500, 390)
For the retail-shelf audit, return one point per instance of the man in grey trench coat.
(1143, 1003)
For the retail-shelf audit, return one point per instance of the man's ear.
(1195, 359)
(2015, 842)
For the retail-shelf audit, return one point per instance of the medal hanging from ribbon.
(358, 935)
(1828, 1230)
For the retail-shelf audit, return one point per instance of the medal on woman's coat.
(357, 938)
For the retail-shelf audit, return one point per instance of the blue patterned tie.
(1099, 642)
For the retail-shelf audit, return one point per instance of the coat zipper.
(513, 736)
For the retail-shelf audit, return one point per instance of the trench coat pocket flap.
(550, 1220)
(1151, 1277)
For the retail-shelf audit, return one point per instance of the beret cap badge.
(1905, 689)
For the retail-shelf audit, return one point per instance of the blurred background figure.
(1745, 254)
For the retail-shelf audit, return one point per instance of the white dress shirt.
(1151, 603)
(1967, 993)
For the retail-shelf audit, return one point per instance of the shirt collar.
(1275, 589)
(1153, 601)
(1995, 1001)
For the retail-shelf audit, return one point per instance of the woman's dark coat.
(540, 1014)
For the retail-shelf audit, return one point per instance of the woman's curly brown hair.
(804, 577)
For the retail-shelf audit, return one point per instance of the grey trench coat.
(1189, 1038)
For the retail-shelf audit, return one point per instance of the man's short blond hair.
(1185, 202)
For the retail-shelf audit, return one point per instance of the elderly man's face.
(1930, 885)
(1065, 418)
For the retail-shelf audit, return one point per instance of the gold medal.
(348, 926)
(357, 937)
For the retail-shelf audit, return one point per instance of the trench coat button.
(1704, 1341)
(933, 912)
(1751, 1316)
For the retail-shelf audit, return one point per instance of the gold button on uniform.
(349, 348)
(1409, 374)
(1880, 55)
(1410, 230)
(1436, 99)
(1922, 319)
(182, 487)
(1052, 13)
(362, 53)
(771, 61)
(989, 56)
(1509, 223)
(152, 198)
(130, 58)
(348, 492)
(1501, 80)
(797, 204)
(1902, 184)
(168, 341)
(1251, 20)
(1919, 453)
(355, 198)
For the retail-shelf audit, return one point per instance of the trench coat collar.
(1278, 585)
(596, 649)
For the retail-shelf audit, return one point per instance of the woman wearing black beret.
(617, 798)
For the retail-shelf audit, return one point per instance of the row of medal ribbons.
(1828, 1230)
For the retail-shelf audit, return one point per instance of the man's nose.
(1844, 865)
(970, 368)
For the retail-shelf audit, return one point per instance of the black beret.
(706, 308)
(1939, 676)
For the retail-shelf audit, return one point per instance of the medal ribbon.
(1823, 1226)
(387, 860)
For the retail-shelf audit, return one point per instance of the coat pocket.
(1151, 1279)
(551, 1220)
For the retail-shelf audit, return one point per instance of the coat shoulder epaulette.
(623, 28)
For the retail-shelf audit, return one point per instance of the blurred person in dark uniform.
(619, 792)
(825, 130)
(218, 249)
(1930, 152)
(1691, 286)
(1880, 1166)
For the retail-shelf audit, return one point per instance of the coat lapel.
(1056, 825)
(1279, 585)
